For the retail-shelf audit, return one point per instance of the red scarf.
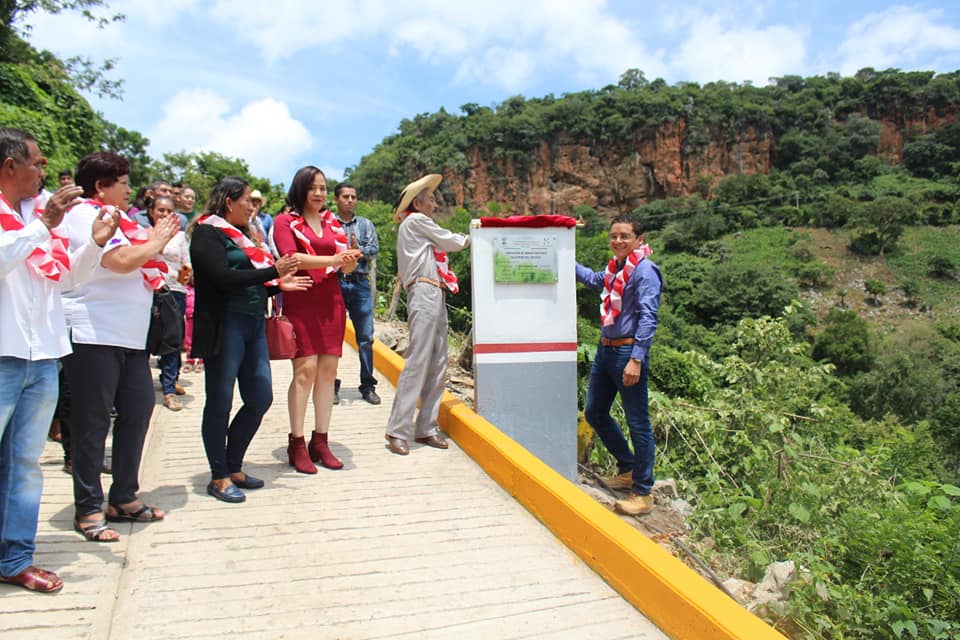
(298, 224)
(447, 277)
(614, 282)
(50, 260)
(153, 270)
(258, 257)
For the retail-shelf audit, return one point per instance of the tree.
(733, 291)
(845, 342)
(86, 74)
(132, 145)
(202, 170)
(881, 222)
(875, 289)
(633, 79)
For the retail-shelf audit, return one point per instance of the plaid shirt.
(366, 236)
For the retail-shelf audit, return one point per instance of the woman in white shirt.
(108, 316)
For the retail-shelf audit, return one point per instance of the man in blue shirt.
(355, 286)
(629, 304)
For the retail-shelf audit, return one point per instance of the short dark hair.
(13, 144)
(341, 186)
(105, 167)
(300, 186)
(631, 220)
(65, 172)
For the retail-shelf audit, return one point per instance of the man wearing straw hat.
(425, 273)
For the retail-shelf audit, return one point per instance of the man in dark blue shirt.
(355, 286)
(628, 311)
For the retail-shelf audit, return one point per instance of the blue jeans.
(359, 303)
(606, 380)
(170, 363)
(243, 359)
(28, 397)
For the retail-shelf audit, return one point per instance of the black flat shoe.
(248, 482)
(229, 494)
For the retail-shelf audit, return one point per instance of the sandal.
(95, 530)
(143, 514)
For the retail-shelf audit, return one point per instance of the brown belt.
(426, 280)
(615, 342)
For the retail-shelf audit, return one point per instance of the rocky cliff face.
(619, 177)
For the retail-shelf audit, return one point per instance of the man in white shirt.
(34, 262)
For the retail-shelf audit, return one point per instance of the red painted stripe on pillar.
(524, 347)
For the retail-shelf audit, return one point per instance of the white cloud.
(714, 50)
(69, 34)
(897, 36)
(262, 132)
(497, 42)
(507, 68)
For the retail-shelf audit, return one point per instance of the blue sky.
(291, 82)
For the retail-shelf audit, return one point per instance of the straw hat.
(256, 195)
(430, 182)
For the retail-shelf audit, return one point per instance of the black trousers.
(63, 413)
(100, 378)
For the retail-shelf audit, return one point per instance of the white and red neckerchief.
(611, 300)
(153, 270)
(327, 218)
(258, 257)
(51, 260)
(447, 277)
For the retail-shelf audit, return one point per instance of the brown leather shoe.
(436, 441)
(171, 402)
(635, 505)
(620, 482)
(179, 390)
(398, 446)
(36, 579)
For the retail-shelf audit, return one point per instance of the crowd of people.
(79, 269)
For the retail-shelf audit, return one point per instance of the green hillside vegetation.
(825, 129)
(806, 373)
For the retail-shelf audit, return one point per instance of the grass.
(911, 263)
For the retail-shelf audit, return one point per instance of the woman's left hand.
(291, 282)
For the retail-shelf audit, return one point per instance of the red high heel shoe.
(320, 452)
(298, 456)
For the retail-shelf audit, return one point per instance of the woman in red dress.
(313, 234)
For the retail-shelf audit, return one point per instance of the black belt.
(353, 277)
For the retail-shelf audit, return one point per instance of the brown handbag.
(281, 339)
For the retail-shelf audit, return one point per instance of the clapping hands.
(105, 225)
(164, 229)
(347, 260)
(287, 265)
(291, 282)
(58, 204)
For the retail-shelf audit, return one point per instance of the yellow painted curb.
(680, 602)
